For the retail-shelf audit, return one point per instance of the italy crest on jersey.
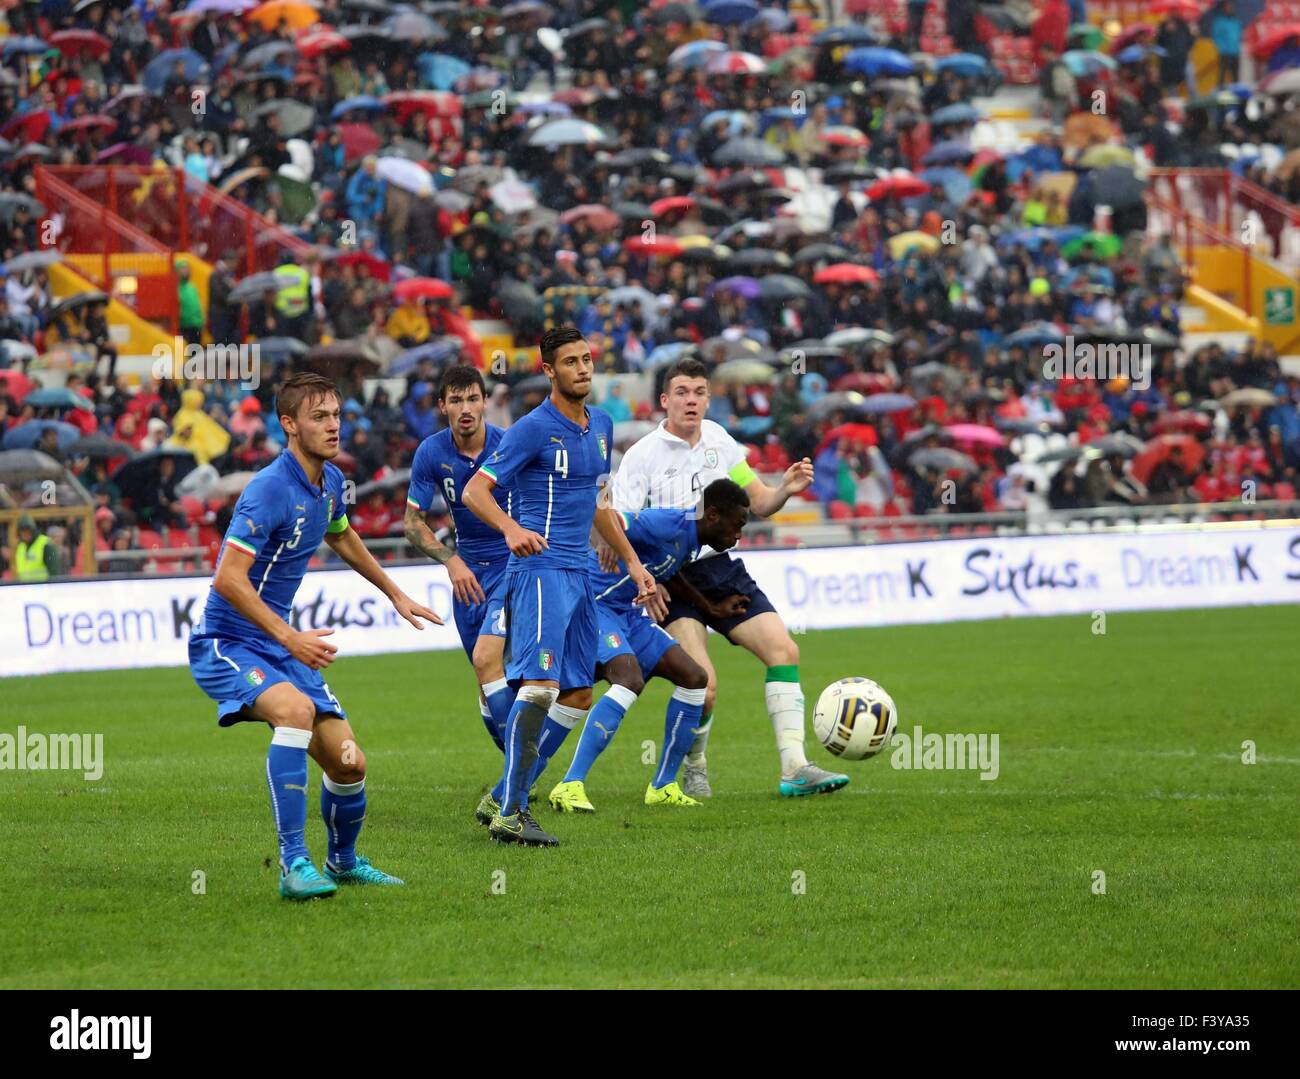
(612, 640)
(604, 446)
(256, 676)
(545, 659)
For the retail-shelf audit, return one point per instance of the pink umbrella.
(736, 63)
(600, 218)
(975, 433)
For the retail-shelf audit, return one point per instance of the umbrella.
(735, 63)
(1184, 420)
(415, 27)
(76, 42)
(882, 403)
(1134, 54)
(269, 15)
(519, 301)
(1249, 397)
(513, 196)
(431, 288)
(947, 153)
(843, 135)
(942, 460)
(76, 301)
(744, 372)
(135, 478)
(338, 355)
(1120, 444)
(966, 64)
(862, 433)
(441, 71)
(1281, 83)
(1161, 448)
(746, 287)
(358, 140)
(975, 434)
(262, 55)
(275, 348)
(32, 260)
(1084, 36)
(853, 34)
(683, 13)
(1036, 333)
(231, 486)
(408, 175)
(155, 75)
(1088, 63)
(1116, 187)
(315, 42)
(14, 383)
(1097, 157)
(600, 218)
(955, 115)
(904, 242)
(1188, 9)
(439, 351)
(730, 12)
(1102, 244)
(927, 371)
(830, 403)
(846, 273)
(1278, 36)
(25, 466)
(252, 287)
(873, 62)
(26, 435)
(859, 337)
(783, 287)
(634, 295)
(357, 103)
(567, 132)
(898, 185)
(1060, 455)
(759, 258)
(56, 398)
(744, 151)
(25, 46)
(100, 447)
(295, 117)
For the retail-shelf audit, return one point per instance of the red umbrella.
(429, 102)
(32, 125)
(314, 42)
(862, 382)
(429, 288)
(1185, 421)
(898, 186)
(671, 205)
(358, 140)
(854, 432)
(736, 63)
(88, 123)
(1188, 9)
(76, 42)
(128, 152)
(15, 384)
(1159, 449)
(364, 260)
(842, 135)
(598, 217)
(1275, 39)
(1139, 31)
(846, 273)
(667, 246)
(975, 434)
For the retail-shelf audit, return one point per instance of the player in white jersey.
(669, 468)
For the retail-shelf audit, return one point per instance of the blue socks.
(286, 776)
(560, 720)
(602, 723)
(499, 701)
(522, 734)
(343, 806)
(685, 707)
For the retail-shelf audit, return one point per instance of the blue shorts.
(716, 578)
(235, 673)
(551, 618)
(482, 618)
(631, 633)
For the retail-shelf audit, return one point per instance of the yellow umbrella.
(907, 241)
(694, 241)
(298, 15)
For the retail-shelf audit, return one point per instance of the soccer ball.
(855, 718)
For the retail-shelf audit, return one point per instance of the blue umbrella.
(359, 103)
(160, 67)
(730, 12)
(965, 64)
(955, 184)
(670, 353)
(846, 35)
(1086, 63)
(694, 54)
(544, 108)
(955, 114)
(26, 435)
(873, 61)
(225, 57)
(438, 71)
(1033, 335)
(738, 121)
(879, 403)
(55, 398)
(774, 19)
(1134, 53)
(437, 351)
(947, 153)
(25, 46)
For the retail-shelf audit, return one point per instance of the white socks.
(785, 706)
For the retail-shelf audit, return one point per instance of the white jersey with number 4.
(662, 471)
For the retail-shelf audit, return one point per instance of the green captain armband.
(335, 527)
(742, 475)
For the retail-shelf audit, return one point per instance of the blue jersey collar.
(548, 404)
(296, 471)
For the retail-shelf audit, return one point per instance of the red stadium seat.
(864, 511)
(840, 511)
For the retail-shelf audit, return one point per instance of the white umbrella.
(567, 132)
(301, 156)
(513, 196)
(405, 174)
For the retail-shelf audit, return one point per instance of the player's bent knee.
(542, 696)
(577, 698)
(296, 711)
(785, 654)
(710, 695)
(626, 672)
(695, 677)
(349, 766)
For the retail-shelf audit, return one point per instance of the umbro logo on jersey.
(670, 472)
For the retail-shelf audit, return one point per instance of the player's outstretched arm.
(609, 523)
(420, 536)
(348, 546)
(231, 583)
(721, 609)
(765, 501)
(478, 499)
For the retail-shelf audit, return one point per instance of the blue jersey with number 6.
(440, 467)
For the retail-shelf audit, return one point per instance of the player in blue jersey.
(634, 647)
(443, 464)
(246, 654)
(557, 460)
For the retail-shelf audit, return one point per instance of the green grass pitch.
(1120, 753)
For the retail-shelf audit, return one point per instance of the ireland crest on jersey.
(711, 458)
(545, 659)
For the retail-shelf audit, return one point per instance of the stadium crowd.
(810, 211)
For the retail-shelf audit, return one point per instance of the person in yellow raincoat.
(196, 431)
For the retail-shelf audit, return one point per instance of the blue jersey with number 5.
(556, 468)
(439, 467)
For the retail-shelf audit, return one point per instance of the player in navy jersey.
(246, 654)
(443, 464)
(557, 460)
(634, 647)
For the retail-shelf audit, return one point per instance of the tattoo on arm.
(420, 536)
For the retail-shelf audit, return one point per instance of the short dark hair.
(460, 376)
(303, 386)
(555, 339)
(686, 367)
(724, 496)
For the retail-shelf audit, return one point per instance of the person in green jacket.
(191, 307)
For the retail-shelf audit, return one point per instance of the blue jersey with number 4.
(663, 539)
(280, 519)
(440, 467)
(556, 468)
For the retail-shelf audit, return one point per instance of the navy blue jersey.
(440, 467)
(556, 469)
(663, 539)
(280, 519)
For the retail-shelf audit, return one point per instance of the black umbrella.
(520, 302)
(676, 12)
(942, 459)
(78, 300)
(412, 27)
(532, 384)
(745, 151)
(759, 258)
(32, 260)
(262, 55)
(273, 348)
(25, 466)
(829, 403)
(927, 371)
(11, 201)
(639, 157)
(782, 287)
(823, 252)
(838, 173)
(1117, 187)
(587, 26)
(252, 287)
(1024, 425)
(136, 478)
(811, 348)
(741, 182)
(632, 211)
(100, 447)
(339, 355)
(912, 442)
